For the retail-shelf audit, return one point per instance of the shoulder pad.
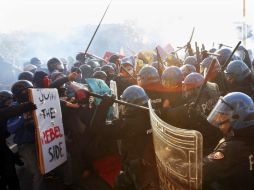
(216, 155)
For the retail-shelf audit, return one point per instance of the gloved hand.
(191, 110)
(108, 100)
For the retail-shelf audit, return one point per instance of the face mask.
(46, 82)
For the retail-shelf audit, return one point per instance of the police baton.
(210, 70)
(82, 92)
(160, 63)
(97, 27)
(221, 45)
(119, 101)
(230, 57)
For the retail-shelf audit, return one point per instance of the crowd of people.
(120, 154)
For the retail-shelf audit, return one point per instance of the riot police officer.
(239, 78)
(230, 165)
(171, 80)
(188, 116)
(138, 160)
(149, 79)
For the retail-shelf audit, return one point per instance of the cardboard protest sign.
(50, 140)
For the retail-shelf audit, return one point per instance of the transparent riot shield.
(113, 88)
(178, 155)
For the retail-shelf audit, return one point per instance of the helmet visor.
(221, 113)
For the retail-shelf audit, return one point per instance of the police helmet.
(172, 77)
(113, 65)
(19, 90)
(135, 94)
(237, 70)
(96, 69)
(224, 54)
(205, 64)
(235, 108)
(100, 75)
(55, 64)
(148, 75)
(108, 69)
(26, 75)
(192, 60)
(191, 84)
(93, 64)
(187, 69)
(86, 70)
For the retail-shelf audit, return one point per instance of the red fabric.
(108, 54)
(108, 168)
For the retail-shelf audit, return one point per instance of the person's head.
(205, 64)
(41, 79)
(77, 70)
(108, 69)
(192, 60)
(115, 59)
(224, 54)
(187, 69)
(81, 57)
(191, 85)
(100, 75)
(126, 69)
(55, 64)
(6, 97)
(172, 78)
(114, 66)
(148, 75)
(172, 60)
(56, 75)
(30, 67)
(133, 94)
(93, 64)
(86, 70)
(20, 90)
(35, 61)
(237, 71)
(26, 75)
(232, 112)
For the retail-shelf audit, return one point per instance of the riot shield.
(178, 155)
(113, 88)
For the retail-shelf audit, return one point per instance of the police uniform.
(229, 166)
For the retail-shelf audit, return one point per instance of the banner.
(50, 138)
(178, 153)
(108, 54)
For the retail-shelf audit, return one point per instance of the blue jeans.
(29, 157)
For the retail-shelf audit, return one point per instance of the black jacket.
(231, 164)
(138, 157)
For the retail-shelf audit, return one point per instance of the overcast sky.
(171, 18)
